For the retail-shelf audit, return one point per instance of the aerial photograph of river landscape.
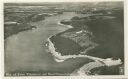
(64, 38)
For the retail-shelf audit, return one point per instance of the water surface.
(25, 51)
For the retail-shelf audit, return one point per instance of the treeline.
(16, 22)
(108, 31)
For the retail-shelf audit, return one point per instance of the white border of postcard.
(64, 77)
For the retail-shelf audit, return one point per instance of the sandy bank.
(69, 26)
(87, 67)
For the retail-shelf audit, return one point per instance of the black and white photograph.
(63, 38)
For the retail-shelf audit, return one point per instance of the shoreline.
(58, 55)
(69, 26)
(87, 67)
(59, 58)
(21, 30)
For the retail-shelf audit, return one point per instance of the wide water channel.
(26, 52)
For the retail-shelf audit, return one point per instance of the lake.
(26, 52)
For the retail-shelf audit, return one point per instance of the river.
(26, 52)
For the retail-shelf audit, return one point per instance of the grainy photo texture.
(64, 38)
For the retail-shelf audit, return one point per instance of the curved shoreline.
(59, 58)
(87, 67)
(69, 26)
(58, 55)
